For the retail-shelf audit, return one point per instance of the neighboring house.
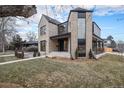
(74, 37)
(30, 43)
(107, 43)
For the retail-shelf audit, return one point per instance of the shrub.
(31, 48)
(38, 53)
(19, 54)
(34, 54)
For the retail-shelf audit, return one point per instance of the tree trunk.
(3, 48)
(3, 35)
(3, 42)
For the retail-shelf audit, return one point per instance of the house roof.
(65, 35)
(51, 20)
(54, 21)
(78, 9)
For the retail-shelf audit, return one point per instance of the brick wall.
(88, 33)
(73, 28)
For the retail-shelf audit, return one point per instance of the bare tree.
(31, 36)
(6, 30)
(17, 10)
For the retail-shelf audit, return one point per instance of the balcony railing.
(63, 28)
(96, 29)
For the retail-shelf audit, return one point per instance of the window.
(62, 28)
(81, 35)
(81, 28)
(81, 47)
(105, 41)
(81, 15)
(43, 30)
(43, 45)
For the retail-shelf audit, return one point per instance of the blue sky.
(109, 18)
(111, 25)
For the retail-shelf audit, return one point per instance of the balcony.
(96, 29)
(63, 28)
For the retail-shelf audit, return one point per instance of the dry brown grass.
(8, 58)
(108, 71)
(9, 85)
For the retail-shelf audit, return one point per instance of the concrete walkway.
(115, 53)
(100, 55)
(15, 61)
(6, 55)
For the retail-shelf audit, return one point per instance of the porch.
(60, 45)
(98, 45)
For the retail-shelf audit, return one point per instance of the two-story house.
(75, 37)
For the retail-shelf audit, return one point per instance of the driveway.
(28, 54)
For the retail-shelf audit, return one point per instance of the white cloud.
(108, 10)
(60, 12)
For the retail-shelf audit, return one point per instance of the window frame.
(43, 45)
(43, 30)
(81, 15)
(82, 40)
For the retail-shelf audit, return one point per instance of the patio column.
(99, 44)
(96, 45)
(102, 44)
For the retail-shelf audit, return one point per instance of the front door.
(81, 48)
(61, 44)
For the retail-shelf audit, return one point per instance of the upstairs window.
(61, 28)
(43, 30)
(81, 15)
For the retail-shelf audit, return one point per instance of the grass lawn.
(105, 72)
(7, 53)
(8, 58)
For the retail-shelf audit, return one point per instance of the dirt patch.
(9, 85)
